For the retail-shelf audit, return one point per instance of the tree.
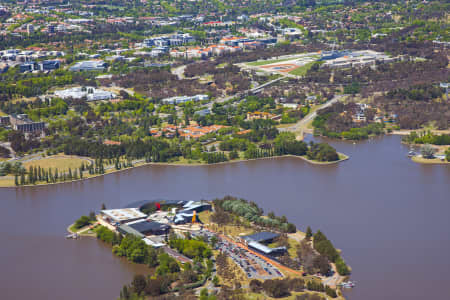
(103, 206)
(309, 233)
(139, 283)
(427, 151)
(215, 281)
(82, 221)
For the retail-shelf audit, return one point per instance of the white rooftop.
(123, 214)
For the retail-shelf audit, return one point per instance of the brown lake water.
(389, 216)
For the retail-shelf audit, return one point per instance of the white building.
(183, 99)
(91, 93)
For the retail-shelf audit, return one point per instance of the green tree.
(427, 151)
(309, 233)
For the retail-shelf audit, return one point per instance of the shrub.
(82, 221)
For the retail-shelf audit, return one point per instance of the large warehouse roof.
(146, 226)
(261, 236)
(123, 214)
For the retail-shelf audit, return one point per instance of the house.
(259, 115)
(195, 132)
(111, 143)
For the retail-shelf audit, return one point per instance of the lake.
(389, 216)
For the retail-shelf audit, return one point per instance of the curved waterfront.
(388, 215)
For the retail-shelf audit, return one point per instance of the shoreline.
(342, 156)
(431, 161)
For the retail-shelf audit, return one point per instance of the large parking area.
(252, 265)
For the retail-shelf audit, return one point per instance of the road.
(301, 125)
(179, 71)
(239, 95)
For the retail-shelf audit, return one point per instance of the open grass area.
(301, 71)
(61, 162)
(233, 230)
(422, 160)
(6, 182)
(293, 296)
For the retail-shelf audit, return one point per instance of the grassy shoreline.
(10, 183)
(432, 161)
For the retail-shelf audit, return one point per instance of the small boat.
(411, 153)
(72, 236)
(348, 284)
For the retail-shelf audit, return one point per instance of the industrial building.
(22, 123)
(90, 93)
(348, 59)
(89, 65)
(147, 227)
(189, 209)
(183, 99)
(121, 216)
(256, 242)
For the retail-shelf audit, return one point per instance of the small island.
(221, 249)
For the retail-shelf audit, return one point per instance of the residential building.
(259, 115)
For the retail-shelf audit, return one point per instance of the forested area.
(336, 121)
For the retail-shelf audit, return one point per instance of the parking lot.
(253, 266)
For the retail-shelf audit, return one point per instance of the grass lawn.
(2, 114)
(293, 296)
(62, 162)
(422, 160)
(205, 217)
(301, 71)
(6, 182)
(267, 62)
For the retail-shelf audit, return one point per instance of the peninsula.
(220, 248)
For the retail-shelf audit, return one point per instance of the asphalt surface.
(253, 266)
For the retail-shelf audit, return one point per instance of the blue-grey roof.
(261, 236)
(265, 249)
(146, 226)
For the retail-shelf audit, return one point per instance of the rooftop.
(123, 214)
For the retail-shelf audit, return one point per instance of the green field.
(268, 62)
(301, 71)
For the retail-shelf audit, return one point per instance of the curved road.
(301, 125)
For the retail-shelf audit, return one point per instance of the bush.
(341, 267)
(330, 292)
(82, 221)
(276, 288)
(107, 235)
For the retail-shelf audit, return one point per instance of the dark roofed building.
(23, 123)
(125, 229)
(149, 228)
(261, 237)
